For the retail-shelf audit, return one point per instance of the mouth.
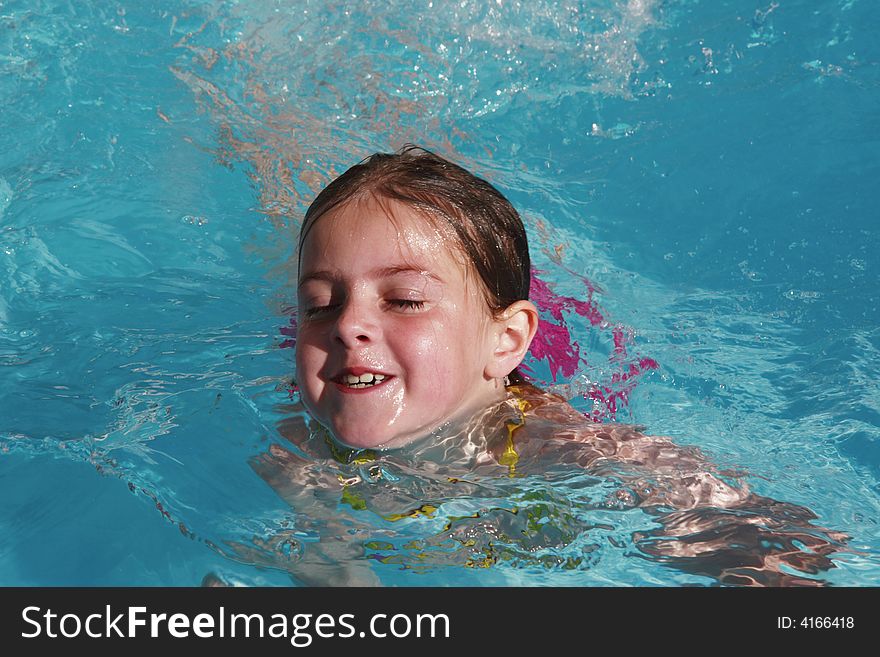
(354, 379)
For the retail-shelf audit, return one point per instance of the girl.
(413, 316)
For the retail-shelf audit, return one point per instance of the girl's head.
(413, 288)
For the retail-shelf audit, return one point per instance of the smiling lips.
(351, 379)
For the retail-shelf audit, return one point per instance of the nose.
(355, 325)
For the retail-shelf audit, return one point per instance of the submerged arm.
(708, 526)
(721, 530)
(757, 542)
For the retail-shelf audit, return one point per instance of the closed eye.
(317, 311)
(407, 304)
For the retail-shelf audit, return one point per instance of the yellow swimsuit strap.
(510, 457)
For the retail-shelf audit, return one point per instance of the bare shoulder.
(659, 471)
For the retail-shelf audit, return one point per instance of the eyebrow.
(379, 272)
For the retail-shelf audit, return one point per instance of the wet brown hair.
(488, 230)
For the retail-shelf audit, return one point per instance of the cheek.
(436, 353)
(310, 358)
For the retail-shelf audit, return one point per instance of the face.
(393, 336)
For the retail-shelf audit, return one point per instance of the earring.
(506, 381)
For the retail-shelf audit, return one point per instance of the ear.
(514, 331)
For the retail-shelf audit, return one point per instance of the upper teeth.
(363, 378)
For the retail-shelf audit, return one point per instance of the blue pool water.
(709, 165)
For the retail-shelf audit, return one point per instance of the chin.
(359, 437)
(362, 438)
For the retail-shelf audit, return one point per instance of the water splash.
(378, 83)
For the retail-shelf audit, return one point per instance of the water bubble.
(802, 295)
(194, 220)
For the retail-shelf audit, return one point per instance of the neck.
(464, 434)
